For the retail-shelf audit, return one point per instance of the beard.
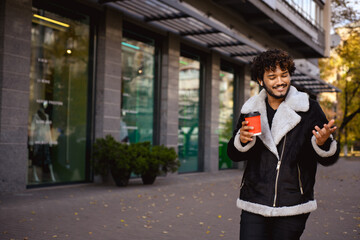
(271, 92)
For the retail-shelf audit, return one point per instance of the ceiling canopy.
(184, 20)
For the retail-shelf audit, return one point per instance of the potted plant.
(140, 155)
(111, 155)
(152, 161)
(168, 158)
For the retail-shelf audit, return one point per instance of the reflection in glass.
(58, 98)
(137, 110)
(226, 109)
(189, 84)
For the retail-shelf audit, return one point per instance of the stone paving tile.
(187, 206)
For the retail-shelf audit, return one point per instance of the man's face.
(277, 83)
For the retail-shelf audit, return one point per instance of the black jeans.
(257, 227)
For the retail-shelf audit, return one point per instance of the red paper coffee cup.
(254, 121)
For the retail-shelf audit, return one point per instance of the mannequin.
(124, 135)
(40, 141)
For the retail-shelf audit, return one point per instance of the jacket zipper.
(278, 171)
(300, 183)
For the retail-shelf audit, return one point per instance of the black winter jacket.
(281, 163)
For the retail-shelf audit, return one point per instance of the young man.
(277, 189)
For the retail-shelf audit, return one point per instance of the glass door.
(138, 78)
(226, 110)
(189, 96)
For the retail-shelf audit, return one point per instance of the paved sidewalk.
(188, 206)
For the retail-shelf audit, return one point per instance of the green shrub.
(153, 159)
(109, 153)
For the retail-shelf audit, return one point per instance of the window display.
(58, 98)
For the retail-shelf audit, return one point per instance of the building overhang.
(281, 21)
(189, 23)
(312, 84)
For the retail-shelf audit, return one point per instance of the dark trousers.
(257, 227)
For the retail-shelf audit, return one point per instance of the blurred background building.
(167, 71)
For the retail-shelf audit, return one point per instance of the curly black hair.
(269, 60)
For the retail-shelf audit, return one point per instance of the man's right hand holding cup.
(245, 135)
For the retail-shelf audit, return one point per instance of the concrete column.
(108, 75)
(242, 94)
(242, 88)
(169, 109)
(211, 114)
(327, 27)
(15, 51)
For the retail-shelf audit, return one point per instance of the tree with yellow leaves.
(343, 65)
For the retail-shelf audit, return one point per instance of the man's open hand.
(324, 133)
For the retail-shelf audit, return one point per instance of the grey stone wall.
(169, 106)
(108, 75)
(15, 45)
(211, 114)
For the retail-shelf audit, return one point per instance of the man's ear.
(260, 82)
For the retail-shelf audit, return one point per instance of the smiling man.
(277, 189)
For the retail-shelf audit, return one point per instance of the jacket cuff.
(321, 152)
(239, 146)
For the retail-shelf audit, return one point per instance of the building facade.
(165, 71)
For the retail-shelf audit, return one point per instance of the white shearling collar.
(285, 118)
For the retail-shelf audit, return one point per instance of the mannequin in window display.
(124, 135)
(40, 142)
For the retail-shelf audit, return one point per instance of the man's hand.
(245, 135)
(324, 133)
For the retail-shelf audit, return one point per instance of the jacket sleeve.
(236, 150)
(329, 153)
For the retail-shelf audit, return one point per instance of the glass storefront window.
(189, 86)
(226, 110)
(138, 77)
(57, 120)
